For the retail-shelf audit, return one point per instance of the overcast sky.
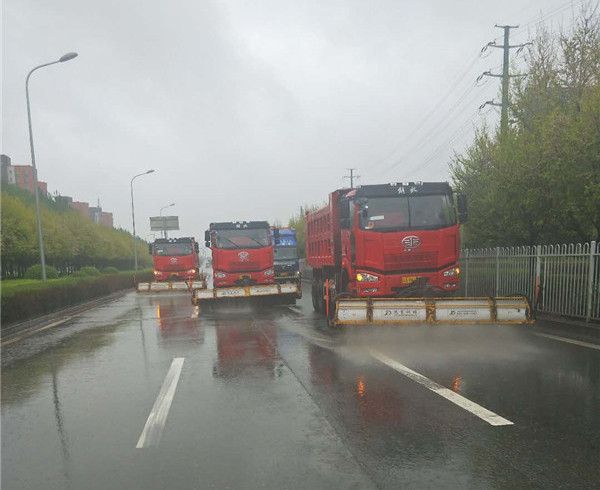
(249, 109)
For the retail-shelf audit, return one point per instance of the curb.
(8, 333)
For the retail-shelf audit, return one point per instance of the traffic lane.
(102, 316)
(510, 368)
(87, 404)
(238, 416)
(550, 391)
(504, 369)
(247, 420)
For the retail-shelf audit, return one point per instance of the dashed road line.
(568, 341)
(477, 410)
(158, 415)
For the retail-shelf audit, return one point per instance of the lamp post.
(66, 57)
(133, 217)
(163, 222)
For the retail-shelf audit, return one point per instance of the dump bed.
(323, 233)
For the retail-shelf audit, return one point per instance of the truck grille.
(411, 261)
(244, 266)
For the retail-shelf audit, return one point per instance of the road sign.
(164, 223)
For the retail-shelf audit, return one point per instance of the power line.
(458, 132)
(431, 113)
(420, 143)
(437, 128)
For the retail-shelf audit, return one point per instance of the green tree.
(70, 240)
(298, 222)
(540, 182)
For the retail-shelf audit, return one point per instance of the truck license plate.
(409, 279)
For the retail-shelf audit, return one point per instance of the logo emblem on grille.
(173, 260)
(411, 242)
(243, 256)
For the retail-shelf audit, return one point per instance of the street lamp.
(133, 216)
(163, 223)
(62, 59)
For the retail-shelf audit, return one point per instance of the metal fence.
(558, 279)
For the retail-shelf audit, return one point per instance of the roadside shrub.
(35, 272)
(144, 276)
(110, 270)
(43, 298)
(87, 271)
(24, 299)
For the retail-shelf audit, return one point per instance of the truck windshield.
(407, 213)
(170, 249)
(243, 238)
(285, 253)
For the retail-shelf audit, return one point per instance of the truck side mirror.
(276, 236)
(150, 248)
(196, 247)
(461, 201)
(207, 238)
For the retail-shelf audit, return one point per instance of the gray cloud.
(246, 110)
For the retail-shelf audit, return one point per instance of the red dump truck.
(176, 265)
(373, 245)
(175, 259)
(243, 263)
(242, 253)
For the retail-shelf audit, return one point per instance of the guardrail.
(559, 279)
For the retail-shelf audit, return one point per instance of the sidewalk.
(572, 327)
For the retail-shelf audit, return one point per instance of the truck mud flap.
(240, 292)
(399, 311)
(155, 287)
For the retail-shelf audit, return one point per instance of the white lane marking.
(569, 341)
(158, 415)
(477, 410)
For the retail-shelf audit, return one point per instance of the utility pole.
(352, 177)
(505, 75)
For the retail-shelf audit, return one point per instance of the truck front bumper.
(390, 285)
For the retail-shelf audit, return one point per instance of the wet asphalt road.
(273, 399)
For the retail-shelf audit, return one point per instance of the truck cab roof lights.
(239, 225)
(403, 188)
(174, 240)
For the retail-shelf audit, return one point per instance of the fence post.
(538, 271)
(497, 271)
(467, 272)
(590, 286)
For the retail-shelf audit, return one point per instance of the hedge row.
(31, 299)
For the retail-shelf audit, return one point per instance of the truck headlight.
(455, 271)
(191, 271)
(269, 272)
(363, 277)
(156, 273)
(220, 275)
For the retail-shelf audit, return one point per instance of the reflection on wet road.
(271, 398)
